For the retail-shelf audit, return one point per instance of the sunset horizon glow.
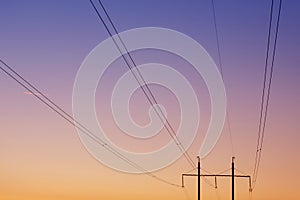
(44, 158)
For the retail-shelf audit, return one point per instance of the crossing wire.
(147, 91)
(150, 92)
(62, 113)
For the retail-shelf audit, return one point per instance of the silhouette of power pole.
(198, 177)
(232, 176)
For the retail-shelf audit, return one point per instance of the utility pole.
(198, 177)
(232, 176)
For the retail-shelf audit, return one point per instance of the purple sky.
(46, 42)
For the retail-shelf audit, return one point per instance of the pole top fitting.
(198, 157)
(233, 158)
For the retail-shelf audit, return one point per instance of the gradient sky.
(42, 157)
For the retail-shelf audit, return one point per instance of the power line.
(188, 157)
(263, 115)
(240, 171)
(271, 72)
(58, 110)
(270, 82)
(221, 69)
(151, 99)
(217, 37)
(195, 169)
(222, 172)
(263, 90)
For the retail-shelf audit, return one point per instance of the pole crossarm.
(232, 176)
(218, 175)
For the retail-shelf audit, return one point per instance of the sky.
(43, 157)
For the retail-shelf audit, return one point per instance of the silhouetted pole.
(198, 177)
(232, 177)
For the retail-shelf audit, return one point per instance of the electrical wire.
(224, 171)
(269, 85)
(240, 171)
(195, 169)
(149, 91)
(264, 112)
(58, 110)
(152, 100)
(208, 182)
(263, 90)
(222, 74)
(206, 170)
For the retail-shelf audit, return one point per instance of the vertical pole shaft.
(198, 177)
(216, 185)
(232, 177)
(250, 185)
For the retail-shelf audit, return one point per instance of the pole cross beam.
(232, 176)
(218, 175)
